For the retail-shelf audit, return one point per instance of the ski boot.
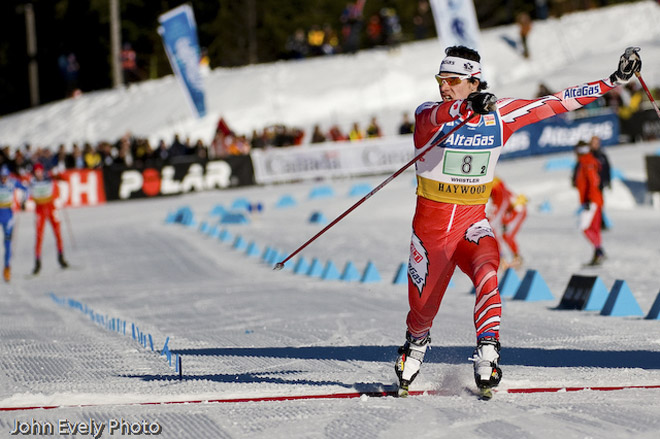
(37, 267)
(7, 274)
(62, 261)
(411, 356)
(487, 373)
(598, 259)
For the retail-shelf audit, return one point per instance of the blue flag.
(179, 33)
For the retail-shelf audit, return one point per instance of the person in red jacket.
(506, 218)
(587, 182)
(454, 182)
(44, 192)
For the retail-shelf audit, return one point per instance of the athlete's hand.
(629, 64)
(482, 103)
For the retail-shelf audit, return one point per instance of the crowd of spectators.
(357, 32)
(137, 152)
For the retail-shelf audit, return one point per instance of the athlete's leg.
(8, 229)
(478, 257)
(54, 219)
(40, 219)
(512, 229)
(592, 231)
(430, 266)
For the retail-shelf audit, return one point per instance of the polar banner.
(456, 23)
(127, 183)
(179, 33)
(335, 159)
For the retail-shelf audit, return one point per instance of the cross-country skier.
(7, 187)
(43, 191)
(588, 183)
(454, 182)
(506, 217)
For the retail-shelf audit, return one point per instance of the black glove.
(586, 205)
(629, 64)
(482, 103)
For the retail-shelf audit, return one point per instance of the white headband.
(461, 66)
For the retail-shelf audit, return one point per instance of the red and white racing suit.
(507, 215)
(454, 181)
(44, 193)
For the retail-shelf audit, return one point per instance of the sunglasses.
(450, 80)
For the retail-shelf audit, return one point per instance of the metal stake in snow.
(280, 265)
(648, 92)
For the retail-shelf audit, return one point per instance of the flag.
(179, 33)
(456, 23)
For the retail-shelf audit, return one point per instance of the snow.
(246, 331)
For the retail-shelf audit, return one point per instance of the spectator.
(177, 148)
(92, 157)
(129, 64)
(351, 19)
(315, 38)
(59, 159)
(373, 130)
(336, 135)
(406, 126)
(525, 27)
(162, 153)
(330, 40)
(296, 45)
(355, 133)
(375, 31)
(75, 159)
(69, 69)
(257, 141)
(317, 135)
(391, 26)
(423, 20)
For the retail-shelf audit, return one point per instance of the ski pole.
(280, 265)
(648, 92)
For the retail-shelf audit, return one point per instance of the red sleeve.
(516, 113)
(430, 116)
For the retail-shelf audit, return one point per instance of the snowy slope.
(245, 331)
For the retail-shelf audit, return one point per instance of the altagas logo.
(418, 264)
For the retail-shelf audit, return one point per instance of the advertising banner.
(127, 183)
(560, 134)
(74, 188)
(333, 159)
(179, 33)
(456, 23)
(383, 155)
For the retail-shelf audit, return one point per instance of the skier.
(506, 217)
(588, 183)
(7, 187)
(43, 191)
(454, 182)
